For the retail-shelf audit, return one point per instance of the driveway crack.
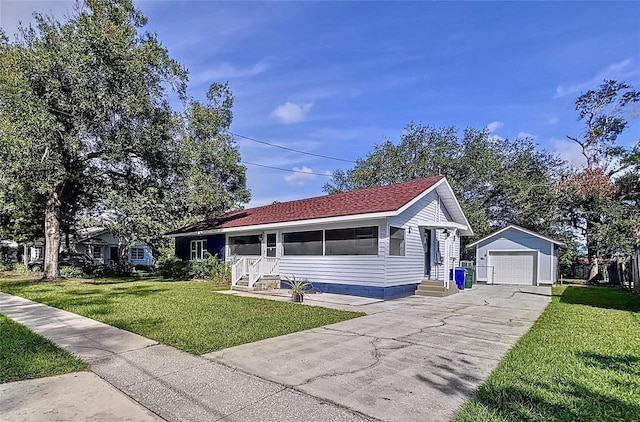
(376, 360)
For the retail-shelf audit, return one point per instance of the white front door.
(271, 245)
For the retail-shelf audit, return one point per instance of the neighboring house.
(102, 246)
(380, 242)
(515, 255)
(9, 251)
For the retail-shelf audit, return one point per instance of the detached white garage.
(515, 255)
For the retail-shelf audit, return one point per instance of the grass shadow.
(622, 364)
(540, 402)
(601, 297)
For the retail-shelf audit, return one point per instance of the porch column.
(447, 257)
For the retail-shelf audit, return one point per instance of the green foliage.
(26, 355)
(174, 268)
(498, 181)
(186, 315)
(604, 209)
(212, 269)
(120, 269)
(20, 268)
(297, 285)
(71, 272)
(84, 106)
(580, 361)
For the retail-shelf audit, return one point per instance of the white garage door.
(513, 267)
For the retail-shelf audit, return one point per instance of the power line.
(291, 149)
(283, 169)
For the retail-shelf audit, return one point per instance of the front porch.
(250, 273)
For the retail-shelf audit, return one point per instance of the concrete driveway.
(414, 359)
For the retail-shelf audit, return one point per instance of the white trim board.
(521, 229)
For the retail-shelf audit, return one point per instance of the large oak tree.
(85, 121)
(498, 181)
(600, 198)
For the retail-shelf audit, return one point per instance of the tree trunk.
(592, 252)
(52, 237)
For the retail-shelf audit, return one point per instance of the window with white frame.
(97, 252)
(352, 241)
(199, 249)
(137, 253)
(396, 241)
(302, 243)
(245, 245)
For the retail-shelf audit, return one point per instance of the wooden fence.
(635, 271)
(625, 272)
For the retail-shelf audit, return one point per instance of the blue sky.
(334, 78)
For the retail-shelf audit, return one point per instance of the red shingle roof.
(364, 201)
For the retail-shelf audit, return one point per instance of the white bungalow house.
(380, 242)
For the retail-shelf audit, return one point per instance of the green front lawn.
(579, 362)
(188, 315)
(26, 355)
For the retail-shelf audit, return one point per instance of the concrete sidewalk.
(172, 384)
(79, 396)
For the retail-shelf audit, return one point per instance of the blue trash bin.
(460, 274)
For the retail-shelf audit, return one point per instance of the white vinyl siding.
(364, 270)
(410, 268)
(515, 240)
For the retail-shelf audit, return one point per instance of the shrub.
(212, 268)
(7, 266)
(121, 269)
(20, 268)
(174, 268)
(71, 272)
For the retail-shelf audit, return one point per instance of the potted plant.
(298, 288)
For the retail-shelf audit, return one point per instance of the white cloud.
(291, 112)
(569, 151)
(302, 176)
(522, 135)
(552, 120)
(226, 71)
(495, 125)
(619, 70)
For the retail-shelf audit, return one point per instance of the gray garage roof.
(522, 229)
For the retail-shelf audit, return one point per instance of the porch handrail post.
(255, 271)
(237, 271)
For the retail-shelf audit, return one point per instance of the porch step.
(436, 288)
(265, 283)
(244, 288)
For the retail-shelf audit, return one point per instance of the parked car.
(65, 260)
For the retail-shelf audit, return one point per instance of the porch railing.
(254, 268)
